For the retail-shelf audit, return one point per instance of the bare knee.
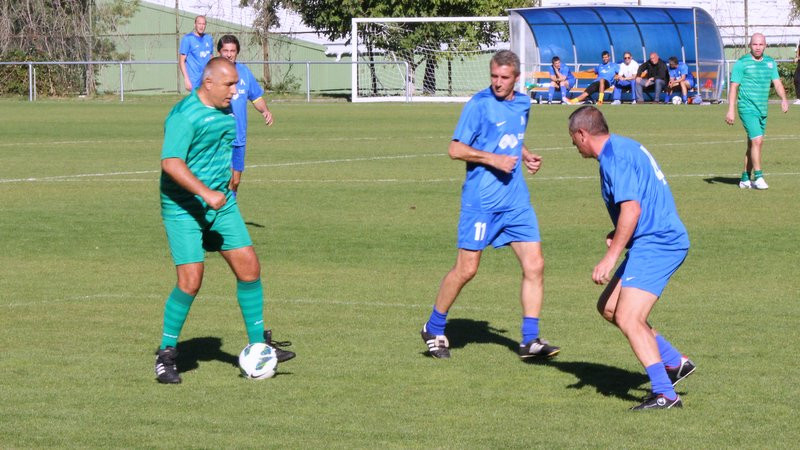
(605, 310)
(533, 269)
(190, 278)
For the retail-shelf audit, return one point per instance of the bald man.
(199, 210)
(750, 80)
(195, 51)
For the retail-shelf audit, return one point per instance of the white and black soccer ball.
(676, 100)
(258, 361)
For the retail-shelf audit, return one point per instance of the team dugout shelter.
(579, 34)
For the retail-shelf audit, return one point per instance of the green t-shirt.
(754, 78)
(202, 136)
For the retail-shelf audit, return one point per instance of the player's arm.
(182, 64)
(177, 169)
(532, 161)
(733, 96)
(626, 224)
(261, 106)
(782, 94)
(459, 150)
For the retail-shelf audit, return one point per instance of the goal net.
(424, 59)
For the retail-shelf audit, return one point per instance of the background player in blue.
(195, 51)
(605, 78)
(247, 88)
(561, 77)
(646, 222)
(495, 203)
(679, 78)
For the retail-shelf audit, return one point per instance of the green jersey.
(202, 136)
(754, 78)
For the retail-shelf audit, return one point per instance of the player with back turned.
(495, 204)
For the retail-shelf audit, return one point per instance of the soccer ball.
(258, 361)
(676, 100)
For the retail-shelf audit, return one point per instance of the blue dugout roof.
(579, 34)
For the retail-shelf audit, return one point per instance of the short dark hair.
(555, 59)
(228, 39)
(605, 53)
(673, 60)
(588, 118)
(506, 58)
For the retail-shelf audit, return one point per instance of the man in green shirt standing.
(200, 212)
(753, 72)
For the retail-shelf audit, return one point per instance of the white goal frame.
(408, 97)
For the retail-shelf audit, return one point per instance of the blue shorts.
(650, 269)
(189, 238)
(476, 230)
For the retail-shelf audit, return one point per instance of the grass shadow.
(722, 180)
(194, 350)
(461, 332)
(606, 380)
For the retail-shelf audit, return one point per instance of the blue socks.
(436, 322)
(550, 93)
(669, 355)
(563, 94)
(530, 329)
(660, 381)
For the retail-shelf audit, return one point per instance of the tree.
(61, 30)
(332, 18)
(266, 18)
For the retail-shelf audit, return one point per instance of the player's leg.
(601, 91)
(531, 261)
(564, 85)
(617, 94)
(659, 86)
(684, 91)
(551, 90)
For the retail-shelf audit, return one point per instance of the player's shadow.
(721, 180)
(607, 380)
(194, 350)
(461, 332)
(254, 224)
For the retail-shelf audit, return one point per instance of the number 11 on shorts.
(480, 231)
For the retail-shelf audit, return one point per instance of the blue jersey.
(565, 71)
(678, 72)
(629, 172)
(247, 89)
(607, 71)
(497, 126)
(198, 50)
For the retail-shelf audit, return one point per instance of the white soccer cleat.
(760, 184)
(745, 184)
(616, 102)
(796, 102)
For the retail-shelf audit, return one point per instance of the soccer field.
(353, 209)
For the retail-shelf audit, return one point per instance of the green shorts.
(189, 238)
(754, 124)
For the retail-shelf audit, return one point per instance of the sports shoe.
(166, 371)
(658, 401)
(796, 102)
(616, 102)
(759, 183)
(281, 354)
(438, 345)
(633, 102)
(538, 348)
(676, 374)
(745, 184)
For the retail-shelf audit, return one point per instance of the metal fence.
(307, 81)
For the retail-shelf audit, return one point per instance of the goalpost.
(423, 59)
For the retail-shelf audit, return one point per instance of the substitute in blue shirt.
(605, 79)
(247, 89)
(646, 222)
(195, 51)
(680, 78)
(561, 77)
(495, 203)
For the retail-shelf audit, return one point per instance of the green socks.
(757, 174)
(251, 300)
(175, 311)
(745, 176)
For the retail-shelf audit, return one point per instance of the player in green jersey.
(200, 211)
(750, 80)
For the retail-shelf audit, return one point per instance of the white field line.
(376, 158)
(366, 303)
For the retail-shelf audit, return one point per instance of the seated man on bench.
(626, 78)
(561, 78)
(605, 79)
(679, 78)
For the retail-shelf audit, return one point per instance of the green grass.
(353, 209)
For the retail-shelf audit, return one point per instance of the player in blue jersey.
(195, 51)
(680, 78)
(561, 77)
(495, 204)
(200, 213)
(646, 222)
(247, 88)
(605, 79)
